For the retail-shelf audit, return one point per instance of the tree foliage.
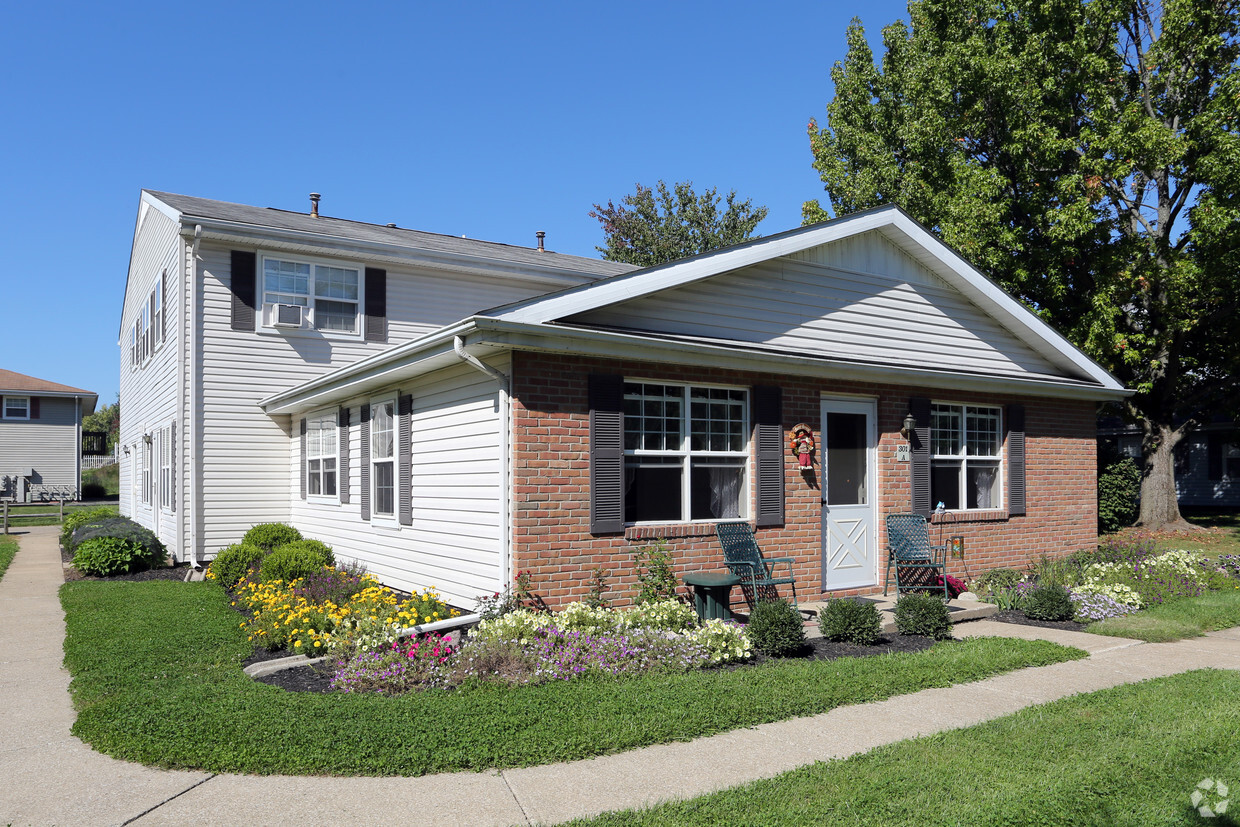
(106, 419)
(1087, 156)
(655, 226)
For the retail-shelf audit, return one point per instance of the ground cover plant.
(150, 687)
(8, 550)
(1131, 755)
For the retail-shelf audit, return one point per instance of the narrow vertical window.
(383, 458)
(321, 456)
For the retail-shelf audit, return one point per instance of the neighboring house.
(41, 438)
(1207, 461)
(559, 432)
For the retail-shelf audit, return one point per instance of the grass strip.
(1131, 755)
(157, 679)
(1176, 620)
(8, 550)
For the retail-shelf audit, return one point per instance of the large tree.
(654, 226)
(1086, 155)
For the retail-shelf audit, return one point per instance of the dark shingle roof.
(192, 207)
(13, 381)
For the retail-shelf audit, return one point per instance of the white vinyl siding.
(457, 493)
(894, 312)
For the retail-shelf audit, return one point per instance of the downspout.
(188, 413)
(504, 400)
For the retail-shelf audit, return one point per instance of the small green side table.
(712, 593)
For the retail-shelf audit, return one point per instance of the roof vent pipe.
(541, 235)
(314, 204)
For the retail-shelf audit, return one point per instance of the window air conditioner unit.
(291, 316)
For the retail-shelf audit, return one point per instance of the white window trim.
(687, 455)
(964, 458)
(386, 520)
(325, 499)
(359, 331)
(5, 412)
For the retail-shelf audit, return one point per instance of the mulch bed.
(1018, 616)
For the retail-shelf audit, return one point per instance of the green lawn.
(157, 679)
(1131, 755)
(1224, 539)
(1178, 619)
(8, 549)
(108, 478)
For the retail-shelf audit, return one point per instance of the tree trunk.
(1159, 507)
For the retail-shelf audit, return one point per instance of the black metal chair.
(744, 559)
(908, 547)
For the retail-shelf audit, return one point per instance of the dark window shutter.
(1016, 460)
(363, 419)
(376, 304)
(404, 410)
(34, 407)
(172, 466)
(303, 459)
(919, 466)
(768, 417)
(342, 476)
(606, 398)
(1214, 453)
(241, 281)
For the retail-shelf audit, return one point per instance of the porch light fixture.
(126, 449)
(910, 422)
(146, 438)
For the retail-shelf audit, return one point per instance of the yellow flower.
(317, 644)
(295, 645)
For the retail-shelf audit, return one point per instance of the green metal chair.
(744, 559)
(908, 547)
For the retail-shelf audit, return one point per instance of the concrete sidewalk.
(49, 777)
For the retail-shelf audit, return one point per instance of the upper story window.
(321, 456)
(383, 458)
(17, 407)
(329, 293)
(686, 452)
(966, 444)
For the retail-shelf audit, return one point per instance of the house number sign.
(902, 453)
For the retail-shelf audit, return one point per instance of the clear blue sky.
(491, 120)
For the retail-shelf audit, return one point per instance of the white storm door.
(847, 451)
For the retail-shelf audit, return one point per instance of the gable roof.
(191, 210)
(13, 382)
(893, 223)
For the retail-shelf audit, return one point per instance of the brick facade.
(551, 468)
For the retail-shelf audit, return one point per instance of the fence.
(7, 506)
(99, 462)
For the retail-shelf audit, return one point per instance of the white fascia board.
(637, 346)
(644, 282)
(252, 235)
(994, 300)
(391, 365)
(148, 201)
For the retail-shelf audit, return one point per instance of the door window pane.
(847, 446)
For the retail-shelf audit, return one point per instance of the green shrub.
(854, 621)
(1119, 485)
(923, 614)
(656, 577)
(233, 563)
(997, 580)
(107, 556)
(1050, 602)
(290, 563)
(775, 629)
(318, 547)
(270, 536)
(78, 519)
(93, 491)
(124, 529)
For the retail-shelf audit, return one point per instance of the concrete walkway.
(49, 777)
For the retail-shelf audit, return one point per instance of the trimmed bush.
(923, 614)
(78, 519)
(233, 563)
(290, 563)
(316, 546)
(108, 556)
(93, 491)
(270, 536)
(775, 629)
(1052, 602)
(124, 529)
(853, 621)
